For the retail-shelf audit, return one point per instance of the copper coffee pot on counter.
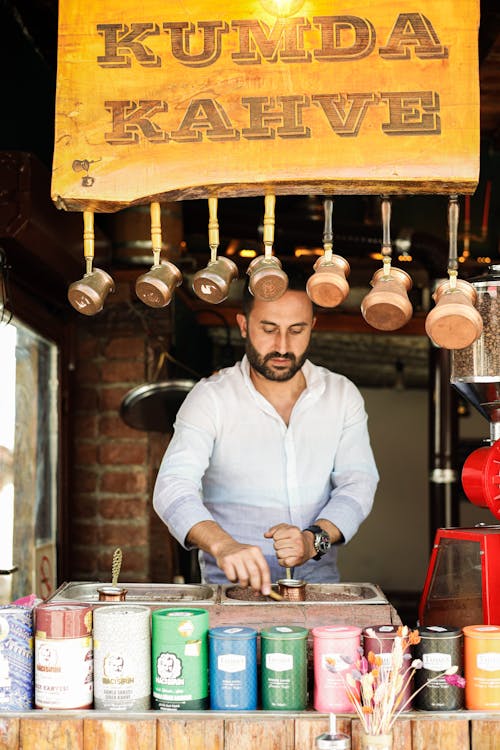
(212, 283)
(112, 592)
(89, 293)
(454, 323)
(328, 287)
(387, 307)
(267, 281)
(156, 287)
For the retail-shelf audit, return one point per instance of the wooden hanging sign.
(170, 101)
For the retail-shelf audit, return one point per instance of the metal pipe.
(443, 436)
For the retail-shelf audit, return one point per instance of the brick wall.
(114, 466)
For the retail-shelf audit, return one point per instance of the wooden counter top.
(253, 730)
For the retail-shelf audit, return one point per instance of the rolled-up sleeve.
(354, 477)
(177, 496)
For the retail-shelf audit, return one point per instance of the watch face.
(322, 543)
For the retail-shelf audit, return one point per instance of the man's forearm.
(208, 536)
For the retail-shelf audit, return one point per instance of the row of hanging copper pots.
(453, 323)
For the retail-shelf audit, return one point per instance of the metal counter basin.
(139, 593)
(316, 593)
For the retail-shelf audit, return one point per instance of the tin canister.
(63, 656)
(16, 658)
(440, 648)
(379, 640)
(482, 667)
(122, 658)
(233, 668)
(284, 667)
(335, 651)
(180, 659)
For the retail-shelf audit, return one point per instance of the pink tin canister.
(336, 649)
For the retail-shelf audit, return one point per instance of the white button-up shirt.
(233, 459)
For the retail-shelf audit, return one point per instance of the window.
(29, 427)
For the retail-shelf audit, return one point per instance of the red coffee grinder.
(462, 585)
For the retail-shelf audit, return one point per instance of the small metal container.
(439, 649)
(338, 741)
(180, 659)
(63, 656)
(284, 668)
(122, 658)
(16, 658)
(267, 281)
(387, 306)
(212, 283)
(112, 594)
(233, 668)
(292, 589)
(88, 295)
(454, 323)
(156, 287)
(328, 286)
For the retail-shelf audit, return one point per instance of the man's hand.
(244, 564)
(293, 547)
(241, 563)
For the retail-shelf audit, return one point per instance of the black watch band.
(321, 541)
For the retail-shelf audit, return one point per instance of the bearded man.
(270, 464)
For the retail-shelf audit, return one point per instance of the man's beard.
(260, 365)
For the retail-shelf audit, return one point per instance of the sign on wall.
(167, 101)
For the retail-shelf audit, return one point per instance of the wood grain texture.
(51, 734)
(116, 734)
(9, 734)
(177, 101)
(191, 734)
(262, 733)
(437, 733)
(485, 735)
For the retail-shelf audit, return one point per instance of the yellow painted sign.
(168, 101)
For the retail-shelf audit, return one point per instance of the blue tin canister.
(16, 658)
(233, 668)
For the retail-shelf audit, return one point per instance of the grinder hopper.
(475, 374)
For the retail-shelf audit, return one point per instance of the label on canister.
(180, 659)
(439, 649)
(122, 658)
(284, 668)
(335, 650)
(16, 658)
(233, 668)
(482, 667)
(63, 656)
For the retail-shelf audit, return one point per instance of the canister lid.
(439, 631)
(380, 631)
(482, 631)
(180, 624)
(63, 620)
(336, 631)
(333, 742)
(122, 619)
(284, 632)
(226, 631)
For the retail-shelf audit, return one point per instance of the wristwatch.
(322, 541)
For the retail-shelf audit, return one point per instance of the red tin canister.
(379, 639)
(63, 656)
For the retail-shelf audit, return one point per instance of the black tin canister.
(440, 648)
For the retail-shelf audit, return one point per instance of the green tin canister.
(284, 668)
(180, 659)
